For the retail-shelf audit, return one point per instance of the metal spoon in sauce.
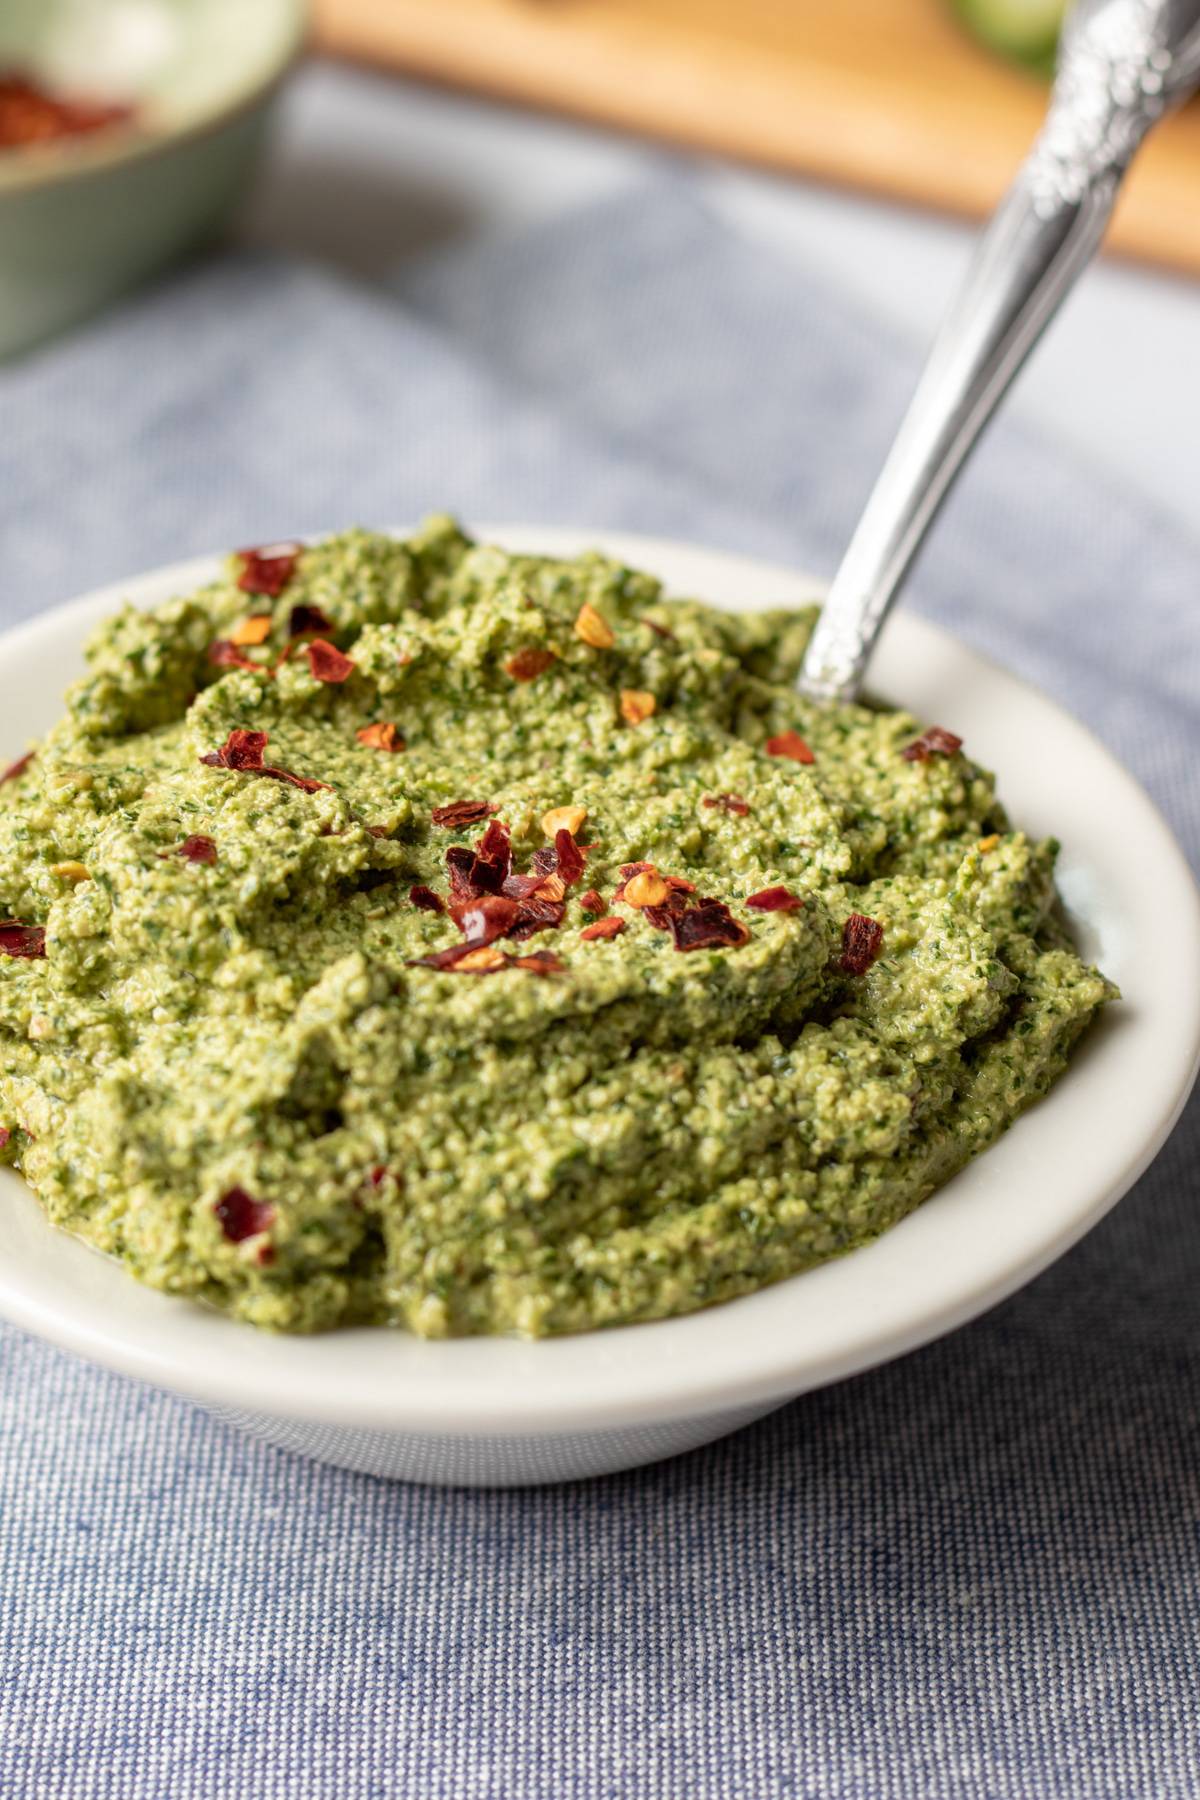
(1122, 65)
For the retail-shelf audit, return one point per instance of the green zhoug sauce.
(235, 1076)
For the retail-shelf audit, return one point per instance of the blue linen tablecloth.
(971, 1575)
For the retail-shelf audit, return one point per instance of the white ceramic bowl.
(490, 1412)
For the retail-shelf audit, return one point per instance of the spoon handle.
(1122, 64)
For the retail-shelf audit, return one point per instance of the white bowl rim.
(1047, 1182)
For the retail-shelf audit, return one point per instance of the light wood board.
(887, 95)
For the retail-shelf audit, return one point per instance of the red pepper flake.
(20, 940)
(466, 959)
(495, 847)
(269, 569)
(593, 902)
(484, 920)
(307, 621)
(426, 899)
(483, 870)
(527, 665)
(223, 653)
(730, 803)
(197, 849)
(243, 752)
(463, 812)
(33, 114)
(570, 859)
(241, 1216)
(709, 925)
(15, 770)
(384, 736)
(659, 630)
(791, 745)
(327, 663)
(862, 941)
(934, 742)
(602, 928)
(540, 962)
(774, 899)
(5, 1137)
(537, 914)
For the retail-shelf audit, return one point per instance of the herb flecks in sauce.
(275, 1040)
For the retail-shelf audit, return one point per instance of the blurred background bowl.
(84, 217)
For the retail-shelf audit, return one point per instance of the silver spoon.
(1122, 65)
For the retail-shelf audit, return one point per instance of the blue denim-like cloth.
(971, 1575)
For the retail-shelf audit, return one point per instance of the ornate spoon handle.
(1122, 65)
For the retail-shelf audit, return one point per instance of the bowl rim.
(64, 161)
(1045, 1183)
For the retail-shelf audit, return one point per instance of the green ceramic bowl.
(83, 218)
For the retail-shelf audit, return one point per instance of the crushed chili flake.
(774, 899)
(242, 751)
(241, 1216)
(384, 736)
(537, 914)
(15, 770)
(268, 569)
(570, 858)
(485, 919)
(934, 742)
(18, 940)
(602, 928)
(33, 114)
(637, 705)
(253, 630)
(425, 898)
(593, 902)
(791, 745)
(465, 959)
(708, 925)
(519, 887)
(540, 962)
(495, 846)
(197, 849)
(223, 653)
(463, 812)
(307, 621)
(659, 630)
(327, 662)
(441, 959)
(862, 941)
(483, 870)
(730, 803)
(527, 665)
(5, 1137)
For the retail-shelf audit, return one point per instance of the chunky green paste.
(236, 1075)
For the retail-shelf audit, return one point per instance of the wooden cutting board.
(887, 95)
